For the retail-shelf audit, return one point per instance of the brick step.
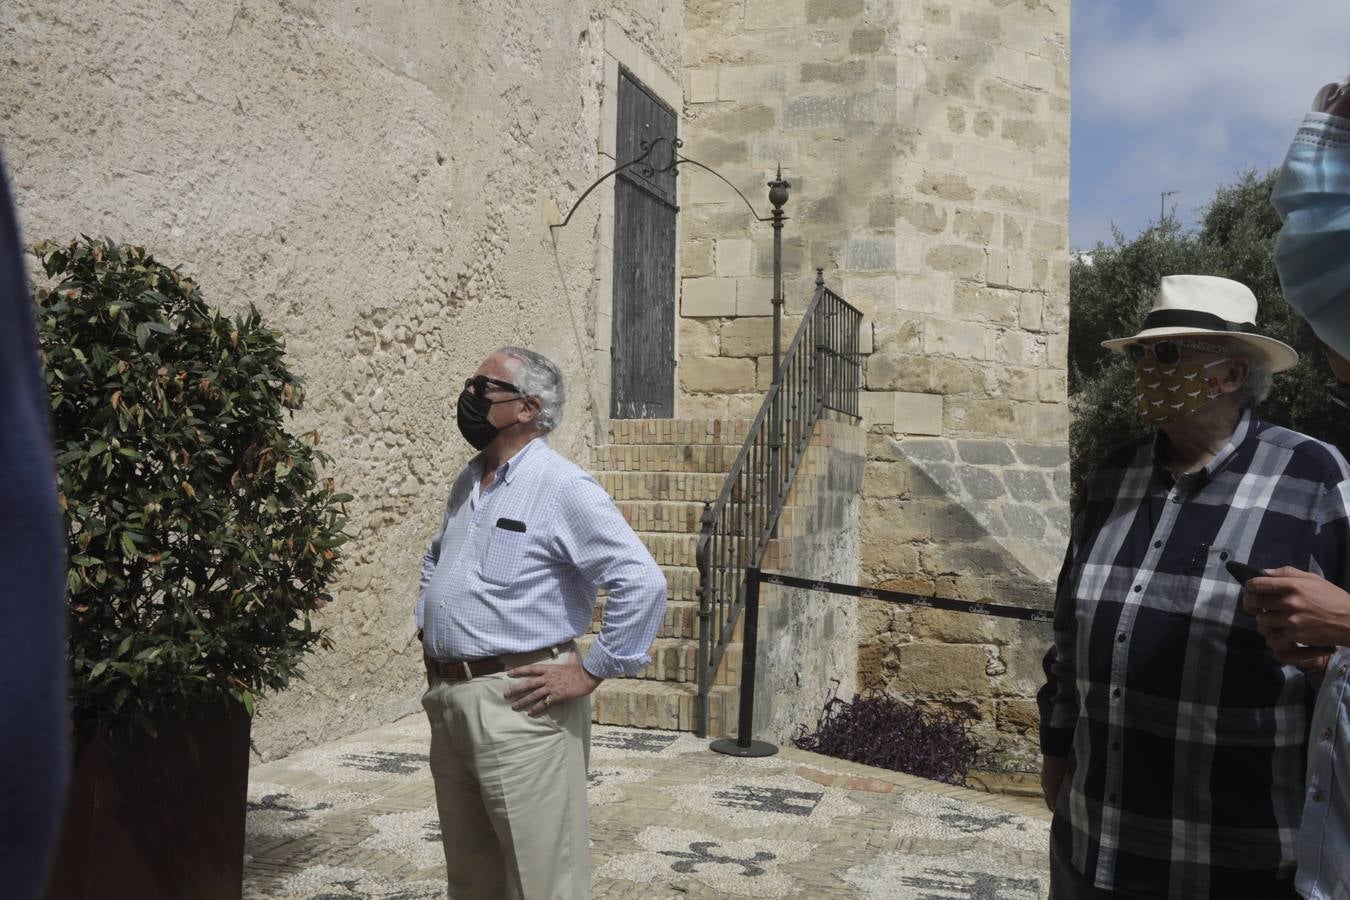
(662, 515)
(663, 704)
(670, 549)
(665, 457)
(676, 659)
(678, 431)
(679, 486)
(681, 620)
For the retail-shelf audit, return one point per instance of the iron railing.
(821, 369)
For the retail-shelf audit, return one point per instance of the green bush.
(200, 535)
(1112, 288)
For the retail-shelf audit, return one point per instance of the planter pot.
(158, 818)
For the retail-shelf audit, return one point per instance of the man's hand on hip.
(540, 686)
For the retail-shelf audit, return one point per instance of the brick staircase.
(660, 472)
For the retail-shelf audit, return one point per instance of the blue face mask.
(1312, 252)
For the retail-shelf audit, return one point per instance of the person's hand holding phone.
(1302, 616)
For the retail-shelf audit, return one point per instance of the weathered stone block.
(946, 186)
(794, 256)
(1020, 716)
(927, 450)
(1027, 134)
(815, 112)
(869, 255)
(754, 296)
(1046, 456)
(733, 257)
(866, 41)
(918, 413)
(886, 481)
(1043, 421)
(961, 628)
(922, 218)
(708, 297)
(1054, 387)
(982, 484)
(1047, 237)
(961, 260)
(701, 85)
(960, 339)
(818, 11)
(750, 82)
(985, 453)
(697, 337)
(1029, 312)
(1018, 383)
(878, 407)
(696, 259)
(717, 374)
(770, 152)
(897, 370)
(953, 376)
(976, 303)
(873, 107)
(750, 336)
(848, 72)
(930, 294)
(1025, 522)
(995, 418)
(942, 669)
(976, 227)
(768, 14)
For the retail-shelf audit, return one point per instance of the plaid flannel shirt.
(1185, 736)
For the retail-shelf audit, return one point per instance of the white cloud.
(1193, 91)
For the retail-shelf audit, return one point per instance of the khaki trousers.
(510, 791)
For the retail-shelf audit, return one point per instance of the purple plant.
(876, 729)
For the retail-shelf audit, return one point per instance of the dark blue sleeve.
(33, 718)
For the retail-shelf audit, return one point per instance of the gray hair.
(538, 376)
(1256, 387)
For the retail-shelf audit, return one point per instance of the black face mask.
(472, 418)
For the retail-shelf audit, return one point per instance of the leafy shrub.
(876, 729)
(200, 535)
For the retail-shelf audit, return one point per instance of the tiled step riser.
(665, 516)
(678, 432)
(669, 707)
(676, 660)
(716, 459)
(681, 621)
(679, 486)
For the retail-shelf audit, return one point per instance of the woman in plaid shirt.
(1174, 742)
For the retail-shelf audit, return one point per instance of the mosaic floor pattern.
(669, 818)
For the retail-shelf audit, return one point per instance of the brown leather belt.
(465, 669)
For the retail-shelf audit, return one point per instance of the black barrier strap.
(1023, 613)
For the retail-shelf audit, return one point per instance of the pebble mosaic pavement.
(669, 818)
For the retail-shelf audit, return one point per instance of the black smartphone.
(1241, 571)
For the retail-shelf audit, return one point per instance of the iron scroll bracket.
(644, 164)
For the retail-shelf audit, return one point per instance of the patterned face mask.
(1169, 391)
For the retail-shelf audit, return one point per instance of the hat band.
(1192, 318)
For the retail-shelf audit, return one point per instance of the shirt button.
(1115, 693)
(1120, 638)
(1341, 670)
(1157, 544)
(1317, 796)
(1326, 734)
(1138, 588)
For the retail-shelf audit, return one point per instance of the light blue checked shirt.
(515, 568)
(1324, 838)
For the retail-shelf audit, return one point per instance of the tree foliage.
(200, 534)
(1112, 288)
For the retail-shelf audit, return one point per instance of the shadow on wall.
(975, 520)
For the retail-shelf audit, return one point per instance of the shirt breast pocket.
(505, 553)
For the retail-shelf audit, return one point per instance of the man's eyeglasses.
(479, 385)
(1169, 352)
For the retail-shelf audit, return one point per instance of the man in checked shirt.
(509, 582)
(1174, 742)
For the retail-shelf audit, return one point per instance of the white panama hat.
(1201, 306)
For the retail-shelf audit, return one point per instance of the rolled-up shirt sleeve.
(1058, 697)
(592, 535)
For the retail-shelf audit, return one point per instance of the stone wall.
(379, 179)
(926, 142)
(808, 640)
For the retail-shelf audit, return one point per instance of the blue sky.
(1184, 94)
